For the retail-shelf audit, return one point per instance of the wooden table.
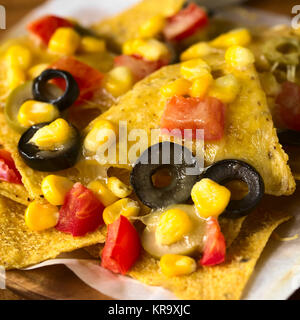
(15, 10)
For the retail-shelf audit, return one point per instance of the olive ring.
(151, 161)
(66, 99)
(228, 170)
(48, 160)
(183, 180)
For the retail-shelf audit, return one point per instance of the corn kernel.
(19, 57)
(152, 27)
(201, 85)
(118, 188)
(40, 216)
(118, 81)
(37, 69)
(225, 88)
(92, 44)
(151, 49)
(102, 192)
(32, 112)
(198, 50)
(53, 135)
(178, 87)
(125, 207)
(210, 198)
(15, 77)
(55, 188)
(239, 57)
(64, 41)
(194, 69)
(172, 265)
(240, 37)
(102, 132)
(173, 225)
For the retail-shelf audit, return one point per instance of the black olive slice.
(289, 137)
(39, 88)
(230, 170)
(48, 160)
(183, 169)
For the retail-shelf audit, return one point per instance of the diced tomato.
(215, 246)
(88, 79)
(122, 247)
(185, 23)
(195, 113)
(140, 67)
(288, 102)
(44, 27)
(8, 170)
(81, 212)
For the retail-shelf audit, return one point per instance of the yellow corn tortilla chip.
(249, 132)
(15, 192)
(223, 282)
(125, 26)
(20, 247)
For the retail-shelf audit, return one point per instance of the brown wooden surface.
(58, 282)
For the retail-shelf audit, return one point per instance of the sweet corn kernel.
(178, 87)
(32, 112)
(19, 57)
(152, 27)
(194, 69)
(172, 265)
(118, 188)
(151, 49)
(55, 188)
(125, 207)
(198, 50)
(118, 81)
(239, 57)
(15, 77)
(210, 198)
(92, 44)
(64, 41)
(225, 88)
(173, 225)
(102, 192)
(102, 132)
(53, 135)
(201, 85)
(240, 37)
(40, 216)
(36, 70)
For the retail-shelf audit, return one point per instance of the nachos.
(108, 140)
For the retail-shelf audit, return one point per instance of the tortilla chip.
(125, 26)
(223, 282)
(15, 192)
(249, 131)
(20, 247)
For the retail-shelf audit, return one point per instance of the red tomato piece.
(81, 212)
(195, 113)
(122, 247)
(8, 170)
(44, 27)
(140, 67)
(88, 79)
(185, 23)
(288, 102)
(215, 247)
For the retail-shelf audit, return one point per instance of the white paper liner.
(277, 274)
